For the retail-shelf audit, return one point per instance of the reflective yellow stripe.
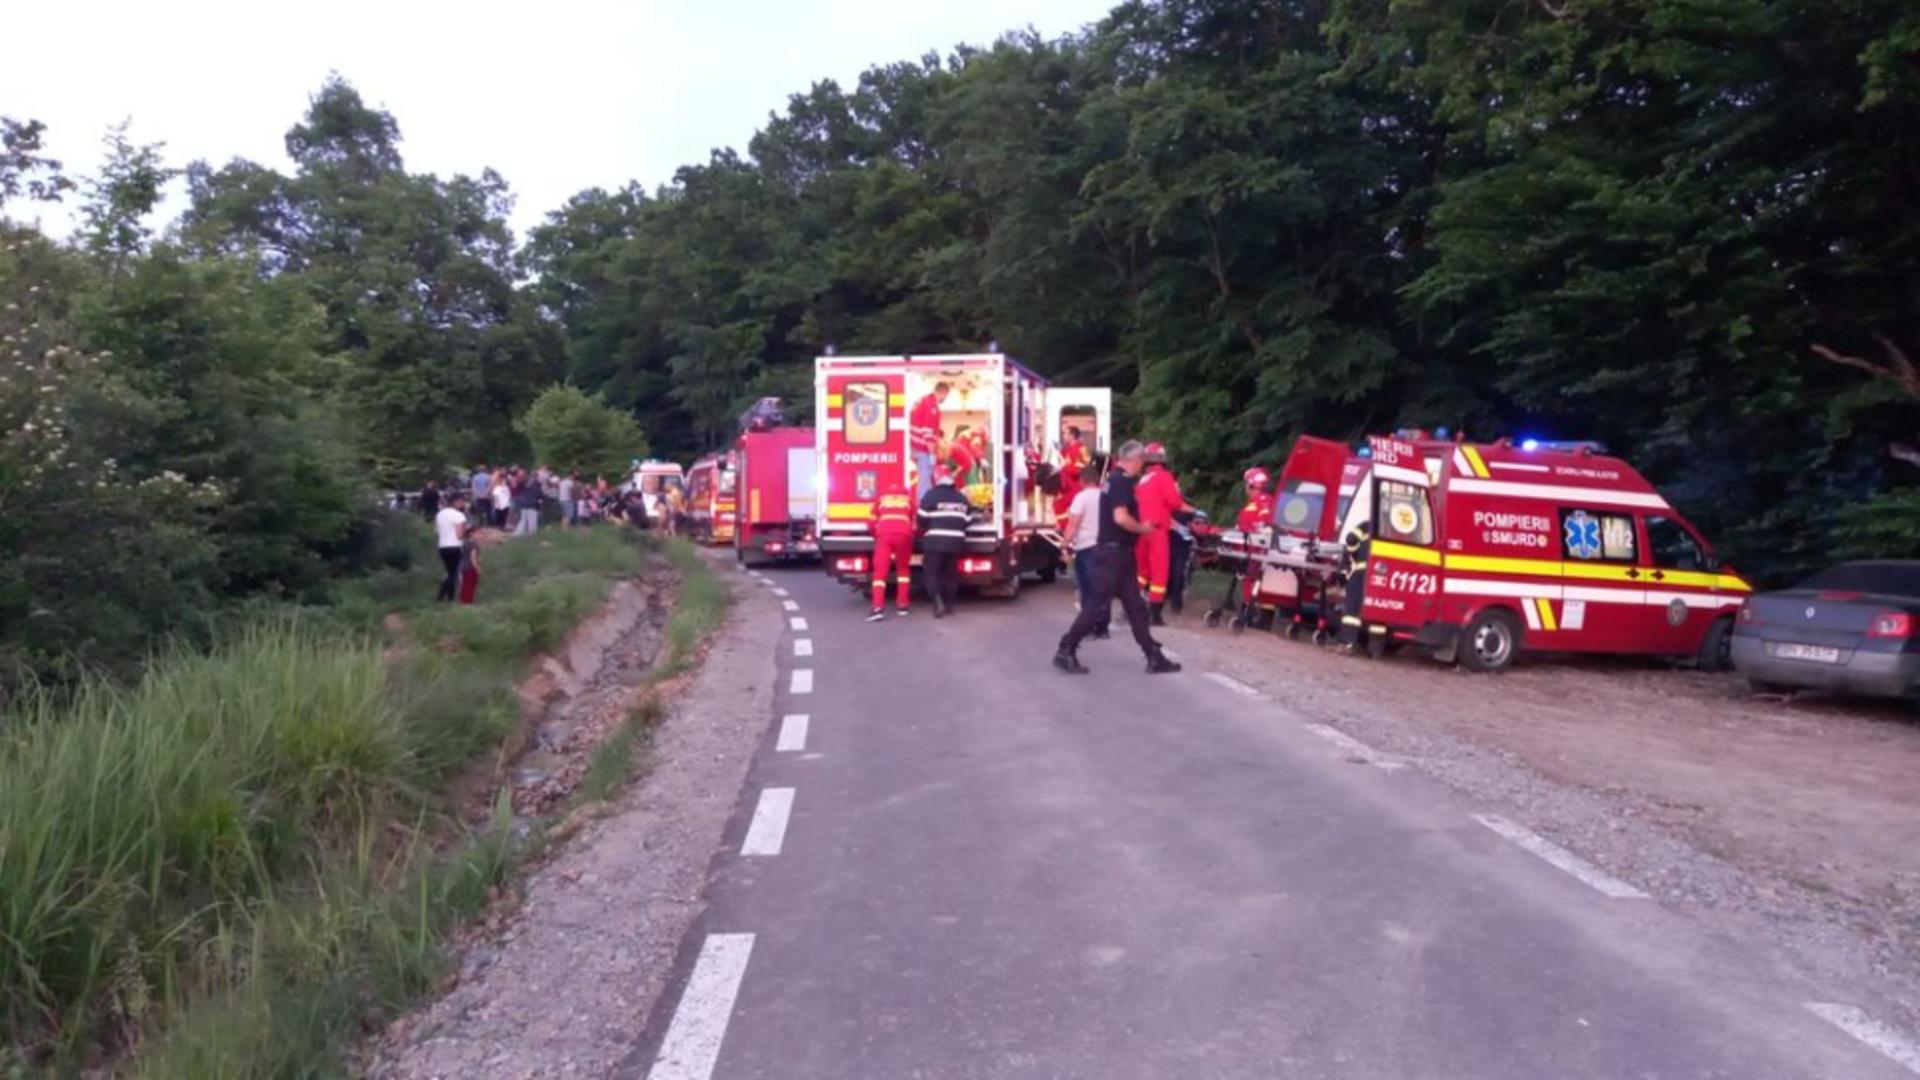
(1546, 613)
(896, 400)
(849, 511)
(1479, 466)
(1618, 573)
(836, 401)
(1387, 549)
(1603, 572)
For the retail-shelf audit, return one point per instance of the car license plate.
(806, 546)
(1819, 654)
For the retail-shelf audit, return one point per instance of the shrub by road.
(233, 865)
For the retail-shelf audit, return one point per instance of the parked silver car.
(1854, 628)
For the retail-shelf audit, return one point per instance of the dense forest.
(1688, 228)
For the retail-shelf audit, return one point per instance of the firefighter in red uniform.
(894, 517)
(1160, 499)
(1257, 514)
(924, 432)
(961, 457)
(1073, 461)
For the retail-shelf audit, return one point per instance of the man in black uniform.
(1115, 574)
(944, 512)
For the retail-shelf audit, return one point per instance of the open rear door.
(1090, 409)
(1308, 503)
(1403, 568)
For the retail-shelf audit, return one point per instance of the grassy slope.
(247, 849)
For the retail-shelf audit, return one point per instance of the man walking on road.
(892, 549)
(945, 512)
(1115, 574)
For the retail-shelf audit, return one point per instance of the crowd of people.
(513, 500)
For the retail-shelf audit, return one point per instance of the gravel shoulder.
(562, 984)
(1790, 821)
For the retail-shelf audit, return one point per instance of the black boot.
(1158, 664)
(1066, 661)
(1156, 617)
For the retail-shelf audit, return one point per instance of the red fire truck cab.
(711, 502)
(1482, 550)
(778, 501)
(1001, 421)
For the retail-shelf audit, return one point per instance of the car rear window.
(1888, 578)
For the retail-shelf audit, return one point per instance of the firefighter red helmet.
(1256, 478)
(942, 474)
(1156, 452)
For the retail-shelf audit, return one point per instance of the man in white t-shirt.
(450, 532)
(1083, 534)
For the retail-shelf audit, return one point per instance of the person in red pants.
(893, 524)
(1257, 514)
(1160, 499)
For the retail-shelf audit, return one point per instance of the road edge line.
(1561, 859)
(692, 1046)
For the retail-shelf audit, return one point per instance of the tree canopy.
(1689, 228)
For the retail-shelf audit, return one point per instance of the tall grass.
(243, 844)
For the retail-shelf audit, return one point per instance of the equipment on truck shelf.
(998, 425)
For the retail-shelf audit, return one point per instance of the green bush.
(215, 849)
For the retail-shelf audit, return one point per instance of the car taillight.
(1891, 624)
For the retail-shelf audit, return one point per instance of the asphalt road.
(985, 869)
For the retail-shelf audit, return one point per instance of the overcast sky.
(557, 95)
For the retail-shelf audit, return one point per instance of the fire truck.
(1011, 418)
(1482, 550)
(779, 502)
(711, 497)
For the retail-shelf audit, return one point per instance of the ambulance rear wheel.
(1237, 624)
(1212, 619)
(1490, 642)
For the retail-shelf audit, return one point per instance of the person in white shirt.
(1083, 533)
(450, 531)
(502, 499)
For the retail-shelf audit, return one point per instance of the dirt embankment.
(561, 983)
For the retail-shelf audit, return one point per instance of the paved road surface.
(975, 868)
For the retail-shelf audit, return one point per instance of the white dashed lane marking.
(1855, 1022)
(780, 592)
(797, 623)
(790, 605)
(793, 733)
(802, 681)
(1354, 747)
(767, 832)
(1232, 684)
(1561, 859)
(692, 1045)
(803, 646)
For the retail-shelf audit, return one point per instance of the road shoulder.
(566, 981)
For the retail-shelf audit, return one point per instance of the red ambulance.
(1002, 420)
(1481, 550)
(711, 503)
